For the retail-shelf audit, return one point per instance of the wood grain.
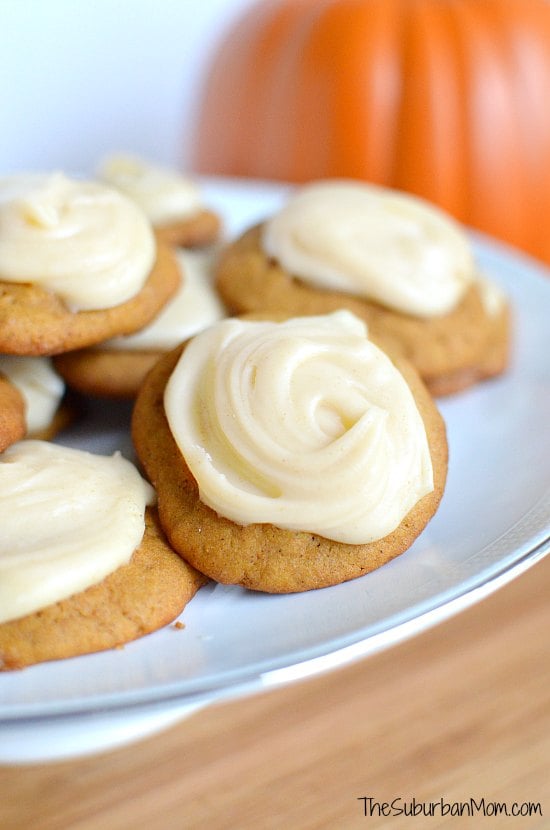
(460, 711)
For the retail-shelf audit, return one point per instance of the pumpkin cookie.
(12, 413)
(116, 368)
(42, 390)
(289, 456)
(110, 575)
(79, 263)
(172, 202)
(396, 262)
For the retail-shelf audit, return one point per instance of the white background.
(82, 78)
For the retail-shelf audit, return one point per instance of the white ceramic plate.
(493, 523)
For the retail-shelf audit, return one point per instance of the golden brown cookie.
(450, 352)
(46, 409)
(34, 321)
(104, 372)
(12, 414)
(262, 556)
(194, 232)
(135, 600)
(172, 201)
(116, 369)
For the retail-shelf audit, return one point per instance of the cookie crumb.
(178, 625)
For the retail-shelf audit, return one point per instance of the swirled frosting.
(305, 424)
(164, 194)
(386, 246)
(68, 518)
(195, 306)
(82, 240)
(40, 385)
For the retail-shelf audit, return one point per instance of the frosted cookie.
(173, 203)
(84, 565)
(42, 390)
(289, 456)
(398, 263)
(79, 263)
(117, 367)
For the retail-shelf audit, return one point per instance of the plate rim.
(330, 660)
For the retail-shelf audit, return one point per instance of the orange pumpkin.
(448, 99)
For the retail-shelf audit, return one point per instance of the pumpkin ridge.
(530, 79)
(430, 160)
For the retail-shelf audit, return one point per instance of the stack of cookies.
(284, 416)
(116, 366)
(84, 563)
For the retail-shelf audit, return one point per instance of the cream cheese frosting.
(69, 518)
(373, 242)
(82, 240)
(305, 425)
(492, 296)
(195, 306)
(40, 386)
(164, 194)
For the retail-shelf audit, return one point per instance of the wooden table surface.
(461, 711)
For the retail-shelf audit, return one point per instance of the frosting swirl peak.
(388, 247)
(305, 424)
(84, 241)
